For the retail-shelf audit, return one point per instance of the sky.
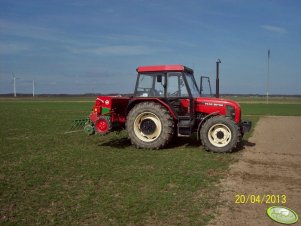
(95, 46)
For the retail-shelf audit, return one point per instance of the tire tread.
(236, 135)
(165, 118)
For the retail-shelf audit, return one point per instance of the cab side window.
(175, 85)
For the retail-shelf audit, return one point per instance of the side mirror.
(159, 78)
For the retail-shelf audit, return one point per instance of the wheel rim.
(219, 135)
(147, 126)
(102, 125)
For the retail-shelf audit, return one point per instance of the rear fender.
(134, 102)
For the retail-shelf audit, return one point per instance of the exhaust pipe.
(217, 78)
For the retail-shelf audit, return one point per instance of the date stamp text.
(260, 199)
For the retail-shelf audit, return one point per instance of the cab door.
(177, 94)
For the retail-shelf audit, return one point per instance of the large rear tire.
(220, 134)
(150, 126)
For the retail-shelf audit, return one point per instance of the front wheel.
(220, 134)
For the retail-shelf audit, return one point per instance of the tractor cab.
(173, 81)
(174, 84)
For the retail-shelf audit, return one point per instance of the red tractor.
(167, 103)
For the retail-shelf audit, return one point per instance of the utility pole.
(33, 88)
(268, 77)
(217, 78)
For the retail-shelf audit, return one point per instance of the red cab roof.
(158, 68)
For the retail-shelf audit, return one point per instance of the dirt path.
(271, 167)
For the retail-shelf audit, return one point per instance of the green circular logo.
(282, 215)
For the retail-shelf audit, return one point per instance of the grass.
(48, 177)
(271, 109)
(262, 99)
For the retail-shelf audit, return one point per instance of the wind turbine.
(15, 91)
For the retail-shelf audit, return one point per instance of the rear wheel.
(220, 134)
(150, 126)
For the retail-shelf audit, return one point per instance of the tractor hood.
(225, 107)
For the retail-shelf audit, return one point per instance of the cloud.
(115, 50)
(11, 48)
(33, 32)
(74, 44)
(122, 50)
(22, 30)
(274, 29)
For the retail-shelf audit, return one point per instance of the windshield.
(192, 85)
(154, 85)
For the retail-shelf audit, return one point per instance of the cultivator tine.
(79, 123)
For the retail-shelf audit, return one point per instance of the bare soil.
(271, 165)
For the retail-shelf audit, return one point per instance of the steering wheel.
(151, 92)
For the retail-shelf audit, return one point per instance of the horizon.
(77, 47)
(131, 94)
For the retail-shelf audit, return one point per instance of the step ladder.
(184, 126)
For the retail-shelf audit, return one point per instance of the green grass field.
(49, 177)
